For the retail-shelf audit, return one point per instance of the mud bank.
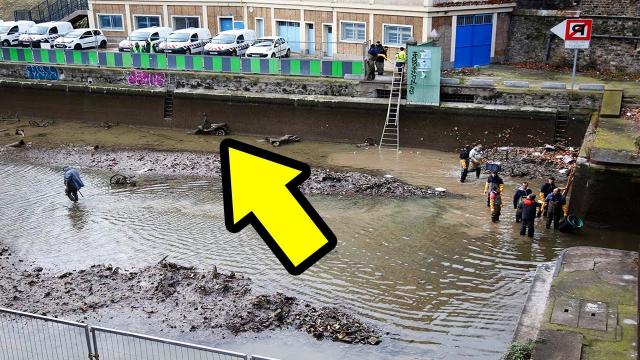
(534, 163)
(181, 298)
(207, 165)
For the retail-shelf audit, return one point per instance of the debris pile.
(632, 114)
(534, 163)
(327, 182)
(181, 298)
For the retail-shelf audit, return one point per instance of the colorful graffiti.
(145, 78)
(38, 72)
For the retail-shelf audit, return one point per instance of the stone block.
(593, 315)
(566, 311)
(591, 87)
(517, 84)
(449, 81)
(486, 83)
(554, 85)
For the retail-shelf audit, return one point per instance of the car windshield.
(178, 37)
(264, 42)
(75, 33)
(141, 36)
(38, 30)
(223, 39)
(5, 29)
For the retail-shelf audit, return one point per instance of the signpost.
(576, 34)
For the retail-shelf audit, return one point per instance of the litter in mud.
(282, 140)
(534, 163)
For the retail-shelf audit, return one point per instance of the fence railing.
(197, 63)
(25, 336)
(51, 10)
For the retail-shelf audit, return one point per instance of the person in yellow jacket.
(401, 58)
(493, 181)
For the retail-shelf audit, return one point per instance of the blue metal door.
(226, 24)
(473, 40)
(291, 32)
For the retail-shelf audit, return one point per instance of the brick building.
(471, 32)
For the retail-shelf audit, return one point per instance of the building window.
(144, 21)
(397, 35)
(184, 22)
(110, 22)
(259, 27)
(353, 31)
(480, 19)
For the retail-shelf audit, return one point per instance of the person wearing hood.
(493, 181)
(554, 203)
(72, 182)
(475, 156)
(529, 208)
(521, 194)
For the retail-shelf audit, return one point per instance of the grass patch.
(519, 351)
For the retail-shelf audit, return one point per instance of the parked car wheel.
(288, 53)
(273, 55)
(6, 43)
(77, 47)
(234, 53)
(103, 44)
(188, 52)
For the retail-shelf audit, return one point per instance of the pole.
(575, 65)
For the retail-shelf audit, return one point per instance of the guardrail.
(197, 63)
(30, 336)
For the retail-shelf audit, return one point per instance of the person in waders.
(529, 207)
(464, 163)
(492, 181)
(521, 194)
(475, 156)
(545, 190)
(495, 200)
(72, 182)
(554, 203)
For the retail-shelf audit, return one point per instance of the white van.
(154, 34)
(44, 33)
(186, 41)
(10, 31)
(231, 42)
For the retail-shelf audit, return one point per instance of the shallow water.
(435, 274)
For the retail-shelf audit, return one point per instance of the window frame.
(255, 21)
(342, 22)
(135, 22)
(174, 17)
(384, 40)
(111, 28)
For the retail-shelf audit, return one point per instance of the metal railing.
(30, 336)
(51, 10)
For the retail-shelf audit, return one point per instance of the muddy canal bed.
(157, 164)
(434, 275)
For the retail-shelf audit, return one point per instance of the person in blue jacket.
(72, 182)
(522, 192)
(554, 202)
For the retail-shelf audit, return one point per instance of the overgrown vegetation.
(519, 351)
(8, 6)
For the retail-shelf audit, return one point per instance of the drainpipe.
(547, 52)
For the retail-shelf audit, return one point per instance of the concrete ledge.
(554, 85)
(517, 84)
(354, 77)
(592, 87)
(449, 81)
(486, 83)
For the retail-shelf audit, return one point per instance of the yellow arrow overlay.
(261, 188)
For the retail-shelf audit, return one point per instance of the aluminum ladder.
(390, 138)
(563, 114)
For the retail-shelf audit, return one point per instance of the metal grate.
(458, 98)
(384, 93)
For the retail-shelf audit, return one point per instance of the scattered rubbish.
(388, 176)
(119, 179)
(212, 129)
(17, 144)
(9, 118)
(20, 132)
(105, 125)
(563, 171)
(440, 189)
(367, 142)
(548, 147)
(534, 162)
(287, 139)
(568, 159)
(36, 123)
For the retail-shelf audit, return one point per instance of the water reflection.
(78, 216)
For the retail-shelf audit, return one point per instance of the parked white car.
(231, 43)
(79, 39)
(155, 35)
(10, 31)
(186, 41)
(44, 33)
(269, 46)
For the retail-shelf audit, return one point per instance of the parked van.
(44, 33)
(10, 31)
(231, 42)
(186, 41)
(79, 39)
(154, 34)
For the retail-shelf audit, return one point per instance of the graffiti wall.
(38, 72)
